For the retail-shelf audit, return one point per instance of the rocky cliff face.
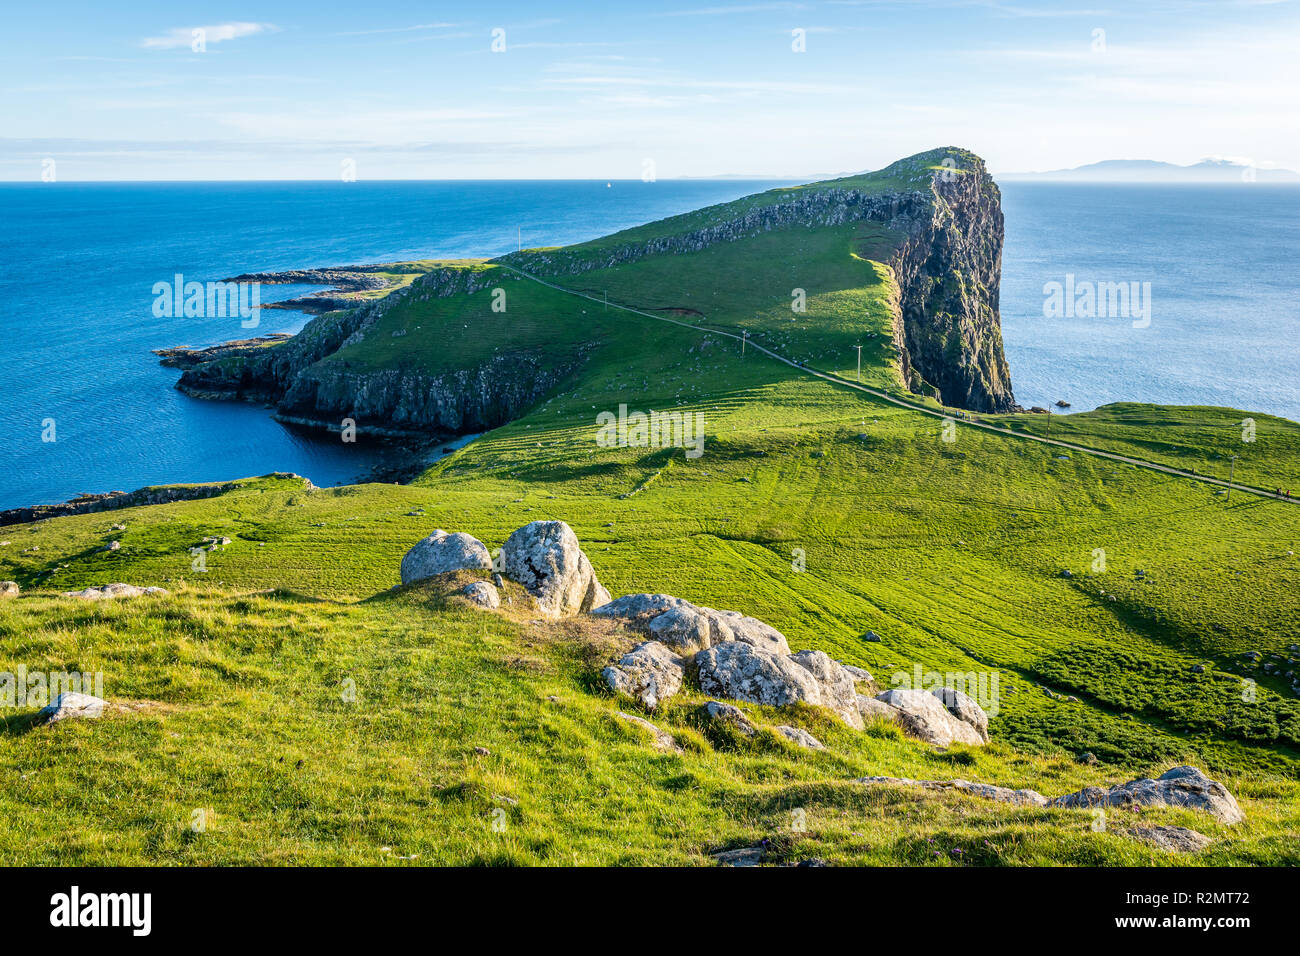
(949, 270)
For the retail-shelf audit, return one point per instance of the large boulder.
(544, 556)
(1179, 787)
(745, 672)
(650, 672)
(112, 591)
(964, 709)
(683, 628)
(839, 691)
(924, 716)
(636, 611)
(71, 705)
(441, 552)
(870, 709)
(688, 626)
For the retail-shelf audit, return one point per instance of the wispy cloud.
(411, 29)
(184, 36)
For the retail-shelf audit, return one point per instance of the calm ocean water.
(80, 261)
(1223, 264)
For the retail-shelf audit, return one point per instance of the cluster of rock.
(543, 556)
(742, 658)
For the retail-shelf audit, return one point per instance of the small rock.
(545, 557)
(9, 589)
(801, 737)
(650, 673)
(663, 740)
(483, 751)
(1087, 757)
(482, 594)
(871, 637)
(1174, 839)
(925, 717)
(858, 674)
(965, 709)
(729, 714)
(744, 856)
(71, 705)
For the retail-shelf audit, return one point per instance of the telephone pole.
(859, 348)
(1232, 470)
(744, 337)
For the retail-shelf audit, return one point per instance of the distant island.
(1154, 171)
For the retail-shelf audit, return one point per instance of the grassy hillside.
(951, 551)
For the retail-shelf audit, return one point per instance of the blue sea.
(80, 262)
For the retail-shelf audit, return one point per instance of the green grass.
(953, 552)
(247, 721)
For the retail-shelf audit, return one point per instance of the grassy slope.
(950, 551)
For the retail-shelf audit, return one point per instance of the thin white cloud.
(217, 33)
(410, 29)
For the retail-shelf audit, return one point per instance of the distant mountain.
(1153, 171)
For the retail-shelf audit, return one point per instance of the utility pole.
(744, 337)
(606, 300)
(859, 348)
(1232, 470)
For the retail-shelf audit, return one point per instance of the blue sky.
(294, 90)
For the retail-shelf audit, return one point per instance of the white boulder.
(441, 552)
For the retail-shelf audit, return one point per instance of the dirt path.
(903, 403)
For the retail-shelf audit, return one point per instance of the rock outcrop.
(987, 791)
(1179, 787)
(744, 672)
(923, 715)
(545, 558)
(441, 552)
(689, 627)
(650, 673)
(112, 591)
